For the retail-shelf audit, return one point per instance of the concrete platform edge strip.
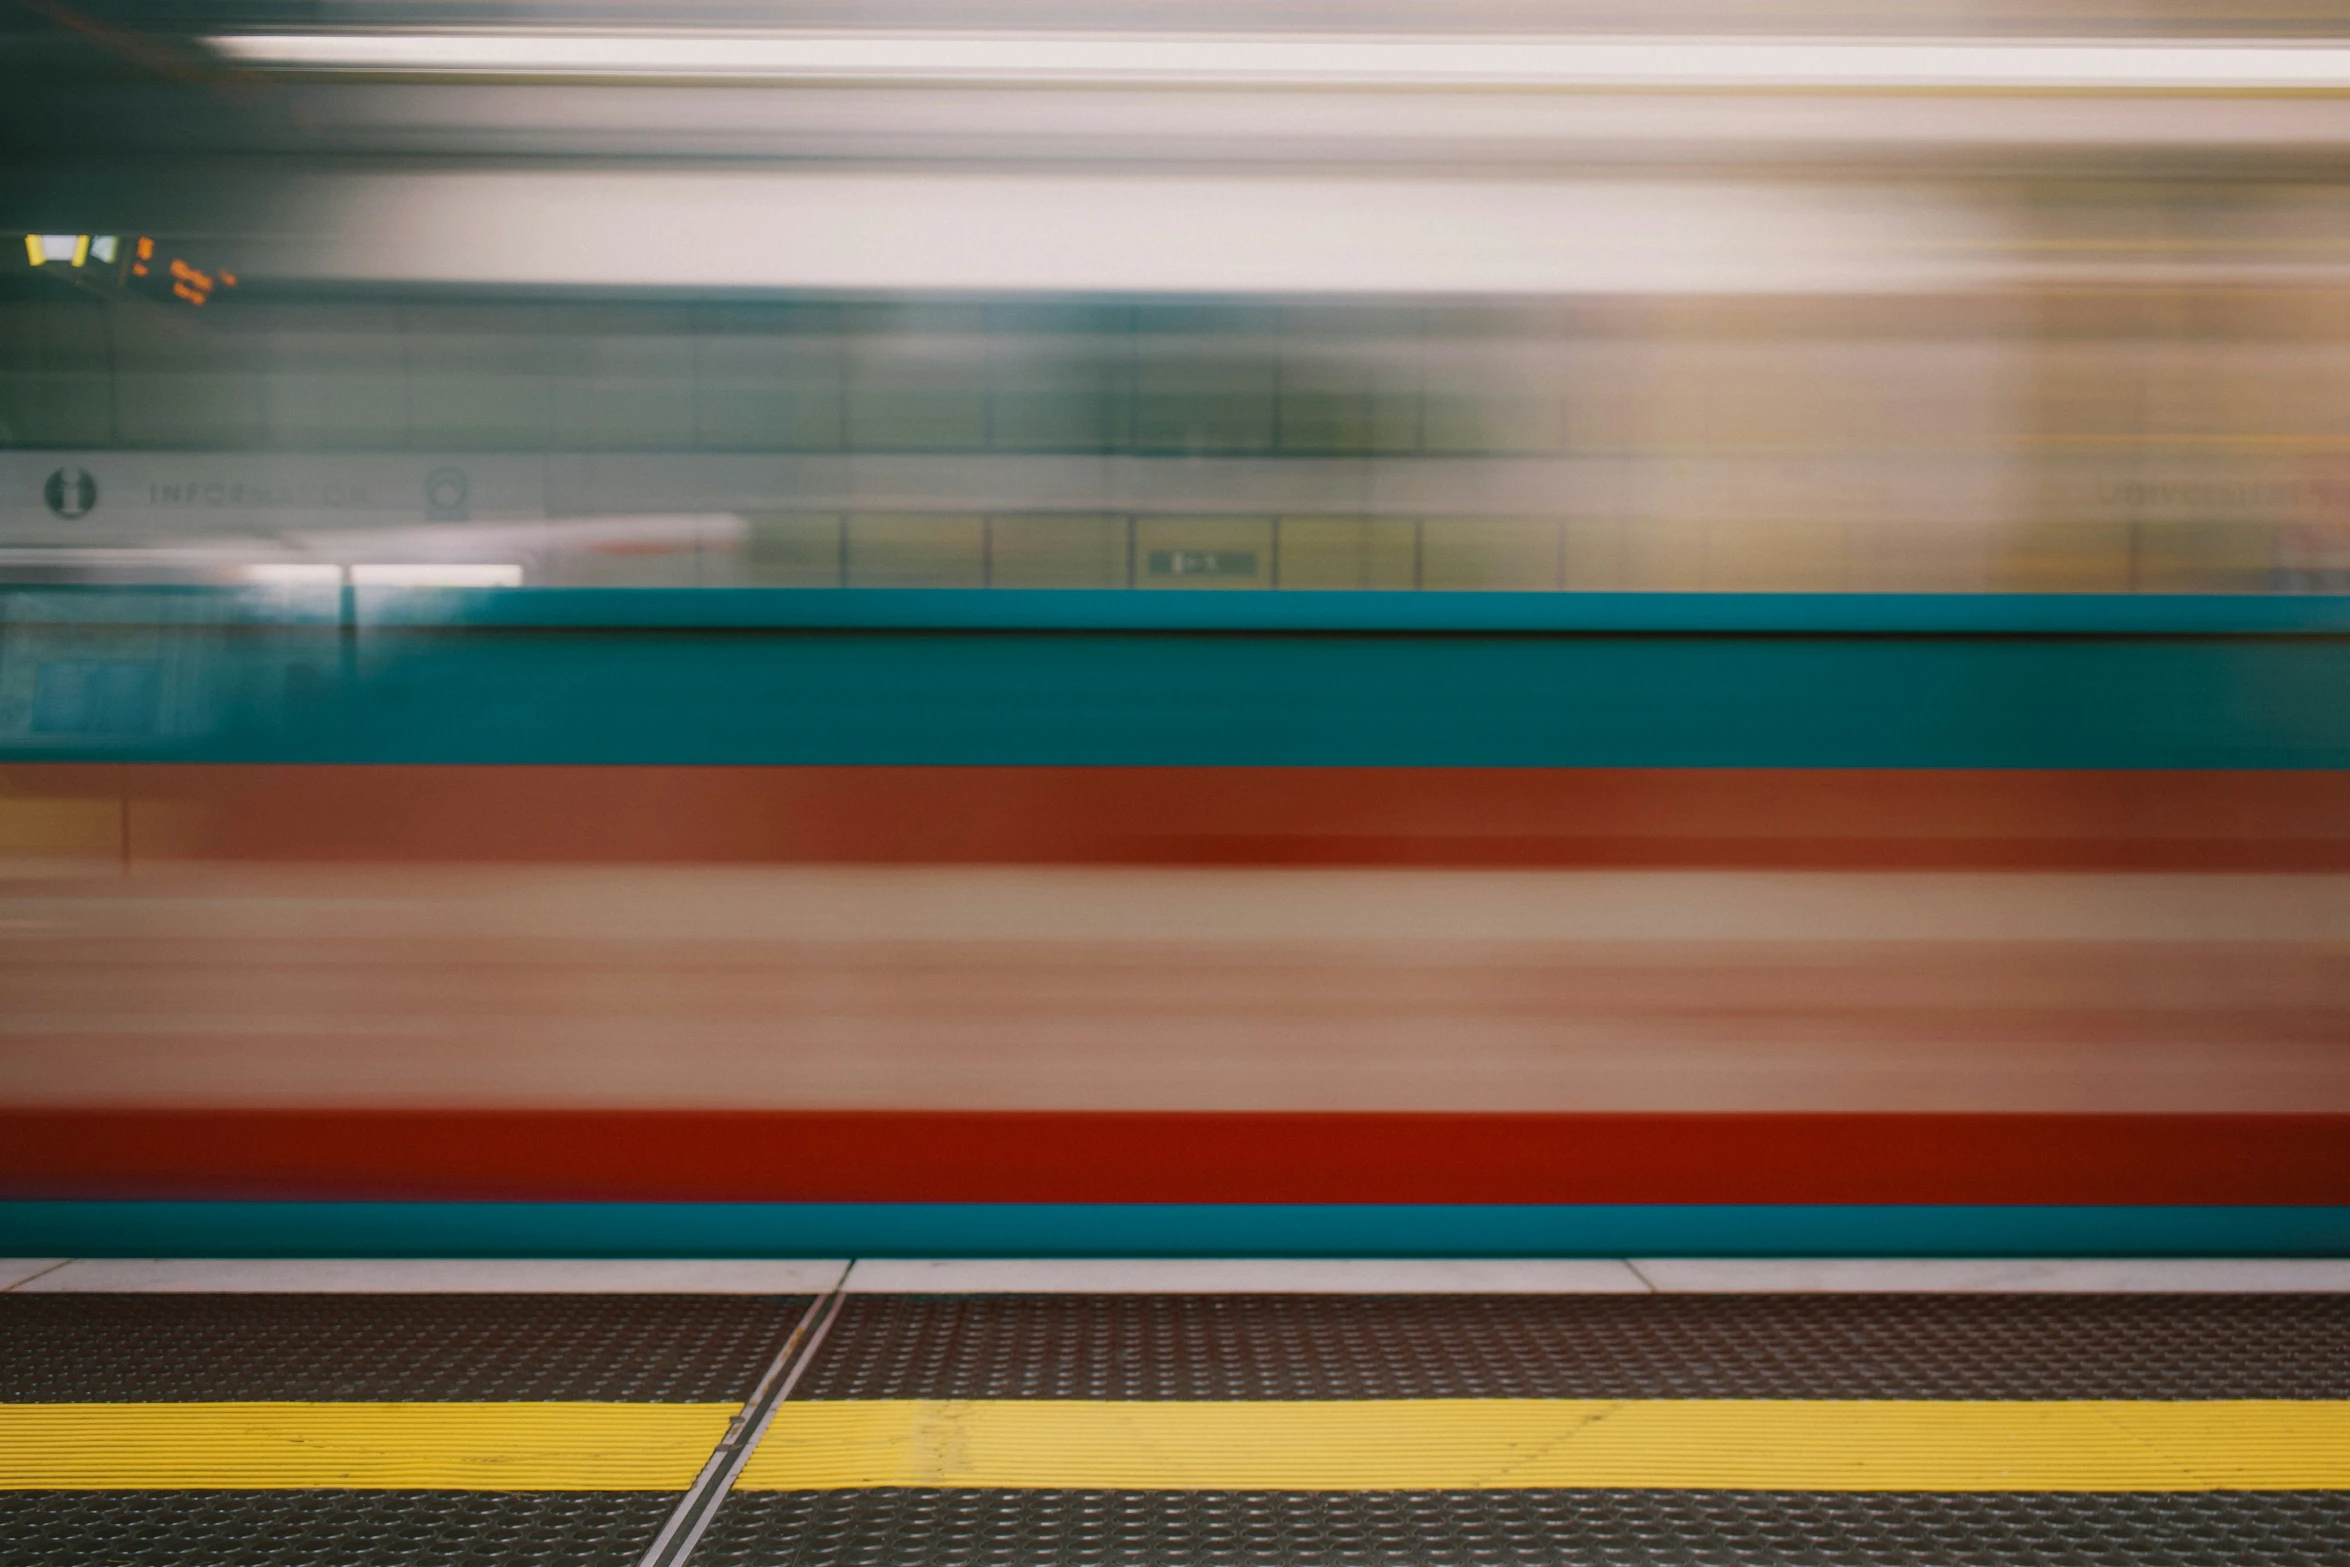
(1185, 1276)
(1579, 1276)
(430, 1276)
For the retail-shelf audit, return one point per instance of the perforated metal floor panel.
(325, 1528)
(1290, 1347)
(906, 1528)
(1586, 1346)
(685, 1349)
(506, 1354)
(150, 1353)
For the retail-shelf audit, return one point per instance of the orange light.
(138, 269)
(192, 296)
(146, 247)
(228, 280)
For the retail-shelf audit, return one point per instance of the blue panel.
(1951, 691)
(265, 1229)
(1012, 699)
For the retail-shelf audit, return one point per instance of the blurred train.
(1751, 657)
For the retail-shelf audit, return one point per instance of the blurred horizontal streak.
(1709, 64)
(1271, 125)
(1179, 990)
(1018, 231)
(1206, 907)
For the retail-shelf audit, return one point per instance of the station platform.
(900, 1413)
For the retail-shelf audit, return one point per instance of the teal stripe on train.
(1127, 679)
(457, 1229)
(1308, 610)
(1289, 610)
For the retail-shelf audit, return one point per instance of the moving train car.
(950, 922)
(1105, 644)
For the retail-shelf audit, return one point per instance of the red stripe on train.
(1625, 817)
(1208, 1157)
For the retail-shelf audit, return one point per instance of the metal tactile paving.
(907, 1528)
(693, 1349)
(325, 1528)
(1587, 1346)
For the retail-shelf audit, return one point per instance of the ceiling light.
(1715, 64)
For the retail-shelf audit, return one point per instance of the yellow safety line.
(1495, 1444)
(1398, 1444)
(286, 1446)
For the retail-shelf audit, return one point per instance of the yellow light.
(81, 249)
(32, 248)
